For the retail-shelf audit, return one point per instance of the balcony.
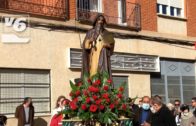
(47, 8)
(117, 13)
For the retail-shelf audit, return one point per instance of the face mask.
(186, 114)
(152, 110)
(145, 106)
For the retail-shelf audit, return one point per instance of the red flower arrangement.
(95, 98)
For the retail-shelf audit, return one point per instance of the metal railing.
(130, 14)
(50, 8)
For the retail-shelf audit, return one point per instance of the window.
(172, 11)
(16, 84)
(170, 7)
(179, 12)
(162, 9)
(118, 80)
(176, 81)
(92, 5)
(158, 8)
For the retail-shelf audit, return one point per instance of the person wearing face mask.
(186, 115)
(161, 116)
(144, 112)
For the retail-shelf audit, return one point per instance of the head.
(177, 103)
(3, 120)
(146, 103)
(156, 103)
(170, 106)
(60, 101)
(140, 103)
(185, 110)
(100, 21)
(193, 102)
(27, 102)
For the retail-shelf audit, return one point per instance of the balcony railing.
(50, 8)
(128, 17)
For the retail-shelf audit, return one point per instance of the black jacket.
(163, 117)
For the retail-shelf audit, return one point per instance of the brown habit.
(104, 63)
(20, 115)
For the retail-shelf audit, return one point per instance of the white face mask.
(185, 113)
(152, 110)
(145, 106)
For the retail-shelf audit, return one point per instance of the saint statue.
(97, 48)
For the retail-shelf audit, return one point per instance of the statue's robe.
(97, 58)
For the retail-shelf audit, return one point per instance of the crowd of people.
(149, 112)
(153, 112)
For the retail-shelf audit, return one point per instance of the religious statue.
(97, 47)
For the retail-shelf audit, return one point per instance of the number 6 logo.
(18, 24)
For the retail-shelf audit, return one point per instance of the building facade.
(154, 50)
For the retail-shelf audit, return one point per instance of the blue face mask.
(146, 106)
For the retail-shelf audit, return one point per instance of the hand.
(91, 40)
(146, 124)
(106, 46)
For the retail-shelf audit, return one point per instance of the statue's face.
(100, 21)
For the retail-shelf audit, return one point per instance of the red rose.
(105, 95)
(89, 80)
(112, 106)
(83, 107)
(124, 106)
(95, 97)
(85, 92)
(98, 102)
(119, 95)
(93, 108)
(121, 89)
(101, 107)
(93, 89)
(75, 99)
(73, 106)
(71, 94)
(109, 81)
(77, 92)
(88, 100)
(107, 100)
(98, 82)
(106, 88)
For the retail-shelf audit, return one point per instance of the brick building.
(154, 51)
